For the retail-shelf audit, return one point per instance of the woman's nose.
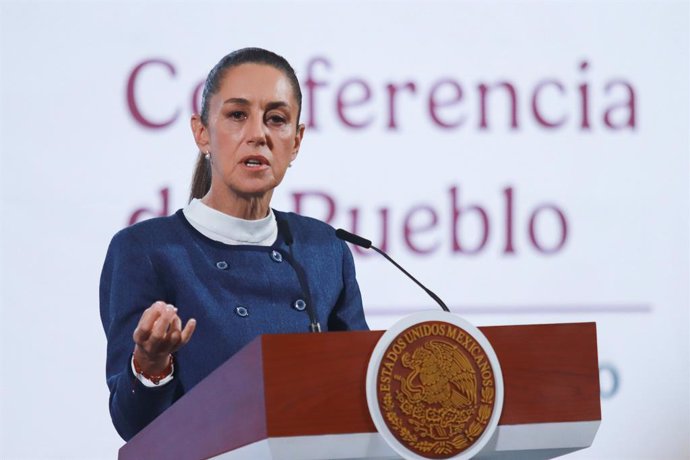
(256, 131)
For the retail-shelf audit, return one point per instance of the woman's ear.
(298, 140)
(200, 133)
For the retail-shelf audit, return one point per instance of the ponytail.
(201, 180)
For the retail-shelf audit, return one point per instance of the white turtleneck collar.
(227, 229)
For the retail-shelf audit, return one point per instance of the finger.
(176, 338)
(173, 341)
(176, 324)
(188, 331)
(174, 331)
(147, 320)
(162, 324)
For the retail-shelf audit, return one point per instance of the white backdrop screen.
(527, 160)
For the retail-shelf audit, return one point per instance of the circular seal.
(434, 387)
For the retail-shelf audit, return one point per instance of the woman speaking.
(181, 294)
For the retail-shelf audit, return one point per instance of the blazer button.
(275, 255)
(222, 265)
(300, 305)
(241, 311)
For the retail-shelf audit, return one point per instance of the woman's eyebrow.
(277, 105)
(236, 100)
(269, 106)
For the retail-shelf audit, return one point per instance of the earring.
(290, 165)
(207, 155)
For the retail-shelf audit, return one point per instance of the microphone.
(366, 244)
(284, 229)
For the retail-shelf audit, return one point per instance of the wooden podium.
(302, 396)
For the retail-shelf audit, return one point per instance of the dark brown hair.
(201, 179)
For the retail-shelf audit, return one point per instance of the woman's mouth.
(255, 162)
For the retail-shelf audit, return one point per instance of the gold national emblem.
(436, 389)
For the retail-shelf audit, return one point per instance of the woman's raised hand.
(158, 335)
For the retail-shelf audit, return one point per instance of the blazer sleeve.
(348, 314)
(129, 285)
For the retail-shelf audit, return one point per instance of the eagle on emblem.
(441, 374)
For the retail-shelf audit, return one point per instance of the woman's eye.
(237, 115)
(276, 119)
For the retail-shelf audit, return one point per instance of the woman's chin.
(255, 189)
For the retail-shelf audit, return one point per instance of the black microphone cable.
(284, 228)
(366, 244)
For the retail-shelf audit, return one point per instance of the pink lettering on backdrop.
(345, 100)
(626, 106)
(421, 232)
(436, 103)
(327, 200)
(510, 91)
(470, 225)
(362, 103)
(393, 90)
(144, 213)
(133, 102)
(536, 107)
(508, 221)
(410, 229)
(534, 235)
(311, 84)
(584, 99)
(458, 212)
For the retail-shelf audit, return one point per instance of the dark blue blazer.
(235, 293)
